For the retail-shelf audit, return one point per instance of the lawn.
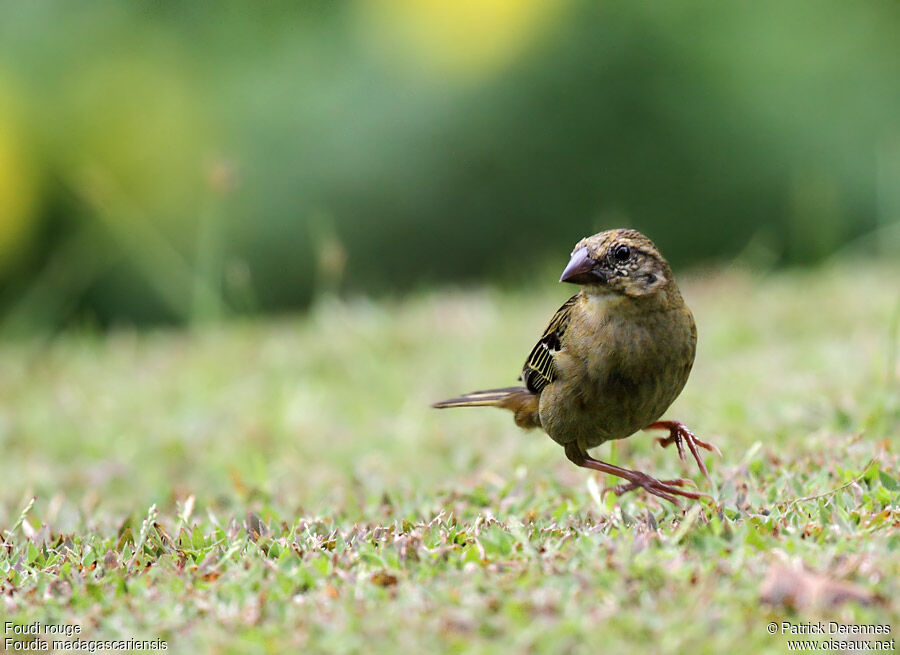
(282, 484)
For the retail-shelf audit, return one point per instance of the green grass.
(283, 485)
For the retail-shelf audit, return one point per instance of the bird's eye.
(622, 253)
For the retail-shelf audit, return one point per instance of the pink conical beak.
(581, 269)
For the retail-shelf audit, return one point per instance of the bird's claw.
(666, 441)
(665, 489)
(679, 434)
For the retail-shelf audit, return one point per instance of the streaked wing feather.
(539, 370)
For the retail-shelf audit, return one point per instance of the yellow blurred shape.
(139, 124)
(468, 38)
(17, 183)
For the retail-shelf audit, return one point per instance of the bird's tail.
(519, 400)
(486, 398)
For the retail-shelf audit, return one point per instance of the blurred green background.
(182, 162)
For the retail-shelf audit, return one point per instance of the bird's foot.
(620, 489)
(679, 435)
(665, 489)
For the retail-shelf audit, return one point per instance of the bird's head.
(618, 261)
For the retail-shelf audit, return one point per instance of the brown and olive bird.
(611, 361)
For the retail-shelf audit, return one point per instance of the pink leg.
(665, 489)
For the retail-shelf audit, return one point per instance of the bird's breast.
(619, 374)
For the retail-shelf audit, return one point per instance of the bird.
(610, 362)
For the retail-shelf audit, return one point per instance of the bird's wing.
(539, 370)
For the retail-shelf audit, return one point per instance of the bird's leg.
(678, 433)
(665, 489)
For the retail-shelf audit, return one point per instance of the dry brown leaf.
(792, 585)
(383, 579)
